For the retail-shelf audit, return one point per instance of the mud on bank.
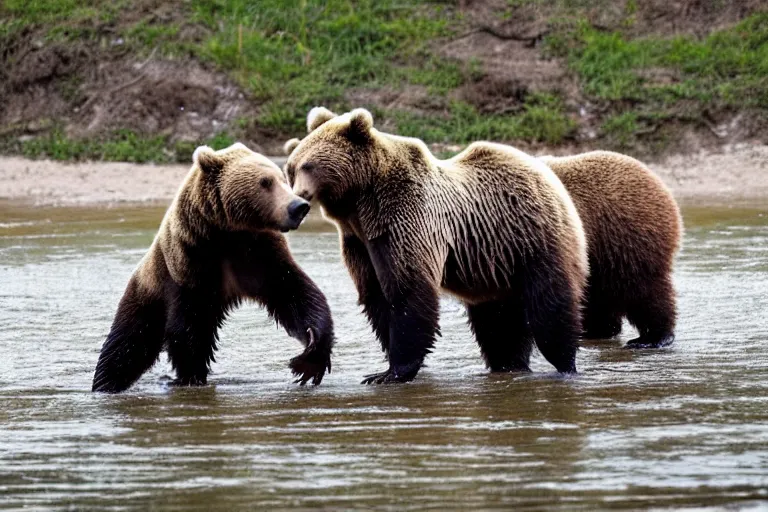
(735, 174)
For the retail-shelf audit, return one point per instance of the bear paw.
(311, 364)
(189, 381)
(650, 342)
(388, 376)
(378, 378)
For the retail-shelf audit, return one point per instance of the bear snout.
(297, 210)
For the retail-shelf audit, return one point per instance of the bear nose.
(298, 209)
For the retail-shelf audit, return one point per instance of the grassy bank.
(118, 146)
(290, 56)
(646, 82)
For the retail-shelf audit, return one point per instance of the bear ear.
(240, 147)
(360, 124)
(289, 146)
(207, 159)
(317, 117)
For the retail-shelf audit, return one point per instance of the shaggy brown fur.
(493, 226)
(633, 229)
(218, 244)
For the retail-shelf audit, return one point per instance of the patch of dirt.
(89, 94)
(494, 94)
(696, 17)
(31, 93)
(529, 20)
(408, 98)
(182, 99)
(511, 70)
(96, 86)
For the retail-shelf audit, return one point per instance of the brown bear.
(633, 229)
(493, 226)
(217, 245)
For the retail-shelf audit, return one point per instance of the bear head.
(245, 190)
(338, 157)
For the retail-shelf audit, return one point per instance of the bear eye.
(265, 183)
(308, 167)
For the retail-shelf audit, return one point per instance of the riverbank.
(735, 174)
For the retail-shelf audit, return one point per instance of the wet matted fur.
(633, 229)
(492, 226)
(217, 245)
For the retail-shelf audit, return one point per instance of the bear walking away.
(218, 244)
(492, 226)
(633, 229)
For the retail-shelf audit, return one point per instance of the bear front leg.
(191, 332)
(370, 295)
(414, 311)
(134, 341)
(266, 272)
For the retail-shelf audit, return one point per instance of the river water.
(680, 427)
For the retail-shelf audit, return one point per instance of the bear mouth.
(290, 225)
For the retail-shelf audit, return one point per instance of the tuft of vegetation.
(542, 119)
(119, 146)
(621, 128)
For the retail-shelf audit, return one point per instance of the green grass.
(293, 55)
(65, 19)
(52, 11)
(728, 68)
(621, 128)
(542, 119)
(118, 146)
(98, 21)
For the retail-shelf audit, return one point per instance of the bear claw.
(644, 342)
(378, 378)
(310, 364)
(387, 377)
(188, 382)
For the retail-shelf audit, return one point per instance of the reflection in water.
(684, 426)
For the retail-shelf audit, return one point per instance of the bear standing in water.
(217, 245)
(493, 226)
(633, 229)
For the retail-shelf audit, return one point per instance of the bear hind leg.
(552, 314)
(652, 311)
(502, 334)
(133, 344)
(602, 316)
(191, 335)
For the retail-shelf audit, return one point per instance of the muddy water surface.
(681, 427)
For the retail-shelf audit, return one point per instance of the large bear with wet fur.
(633, 228)
(219, 243)
(493, 226)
